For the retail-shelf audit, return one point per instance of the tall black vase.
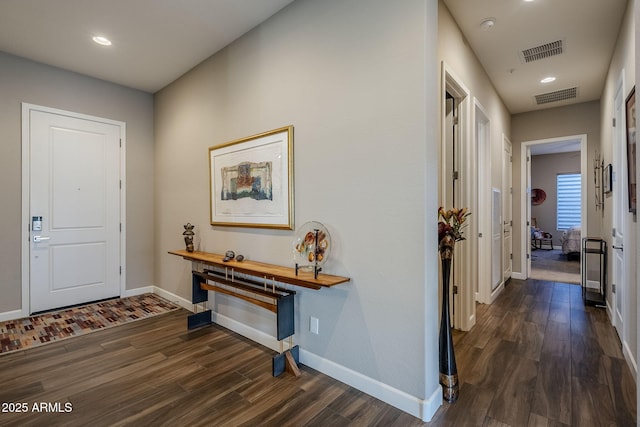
(448, 368)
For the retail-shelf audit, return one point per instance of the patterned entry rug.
(22, 334)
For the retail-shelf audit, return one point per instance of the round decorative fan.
(538, 196)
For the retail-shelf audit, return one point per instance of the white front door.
(74, 198)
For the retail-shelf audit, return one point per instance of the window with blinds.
(568, 208)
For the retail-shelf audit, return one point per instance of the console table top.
(268, 271)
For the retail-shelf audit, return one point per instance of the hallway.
(537, 356)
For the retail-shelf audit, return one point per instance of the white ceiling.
(154, 41)
(588, 28)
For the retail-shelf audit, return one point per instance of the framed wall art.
(630, 105)
(251, 181)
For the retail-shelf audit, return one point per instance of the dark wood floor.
(539, 357)
(536, 357)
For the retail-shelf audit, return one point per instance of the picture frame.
(251, 181)
(630, 110)
(607, 179)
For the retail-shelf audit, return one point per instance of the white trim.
(182, 302)
(482, 208)
(421, 408)
(253, 334)
(11, 315)
(518, 275)
(26, 174)
(525, 150)
(628, 355)
(464, 316)
(138, 291)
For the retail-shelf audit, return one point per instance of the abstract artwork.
(251, 181)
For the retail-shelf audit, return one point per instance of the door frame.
(463, 272)
(480, 227)
(525, 191)
(26, 185)
(507, 207)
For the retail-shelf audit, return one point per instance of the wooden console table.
(262, 289)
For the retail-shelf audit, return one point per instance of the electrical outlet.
(314, 325)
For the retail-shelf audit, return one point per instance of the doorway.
(548, 149)
(73, 208)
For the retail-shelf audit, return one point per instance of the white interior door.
(450, 152)
(620, 213)
(507, 209)
(74, 202)
(496, 240)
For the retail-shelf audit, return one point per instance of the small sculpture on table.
(188, 236)
(311, 247)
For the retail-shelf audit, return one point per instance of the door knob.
(38, 239)
(618, 247)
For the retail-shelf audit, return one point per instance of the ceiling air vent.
(558, 95)
(542, 51)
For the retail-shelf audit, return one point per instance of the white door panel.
(620, 215)
(75, 188)
(507, 210)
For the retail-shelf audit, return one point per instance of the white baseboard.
(519, 276)
(420, 408)
(11, 315)
(138, 291)
(182, 302)
(628, 356)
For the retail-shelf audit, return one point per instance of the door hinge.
(614, 122)
(511, 256)
(121, 270)
(455, 289)
(613, 288)
(121, 184)
(528, 256)
(455, 175)
(455, 120)
(121, 227)
(120, 142)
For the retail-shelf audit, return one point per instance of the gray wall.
(544, 170)
(575, 119)
(358, 81)
(25, 81)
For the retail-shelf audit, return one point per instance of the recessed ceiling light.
(102, 40)
(548, 79)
